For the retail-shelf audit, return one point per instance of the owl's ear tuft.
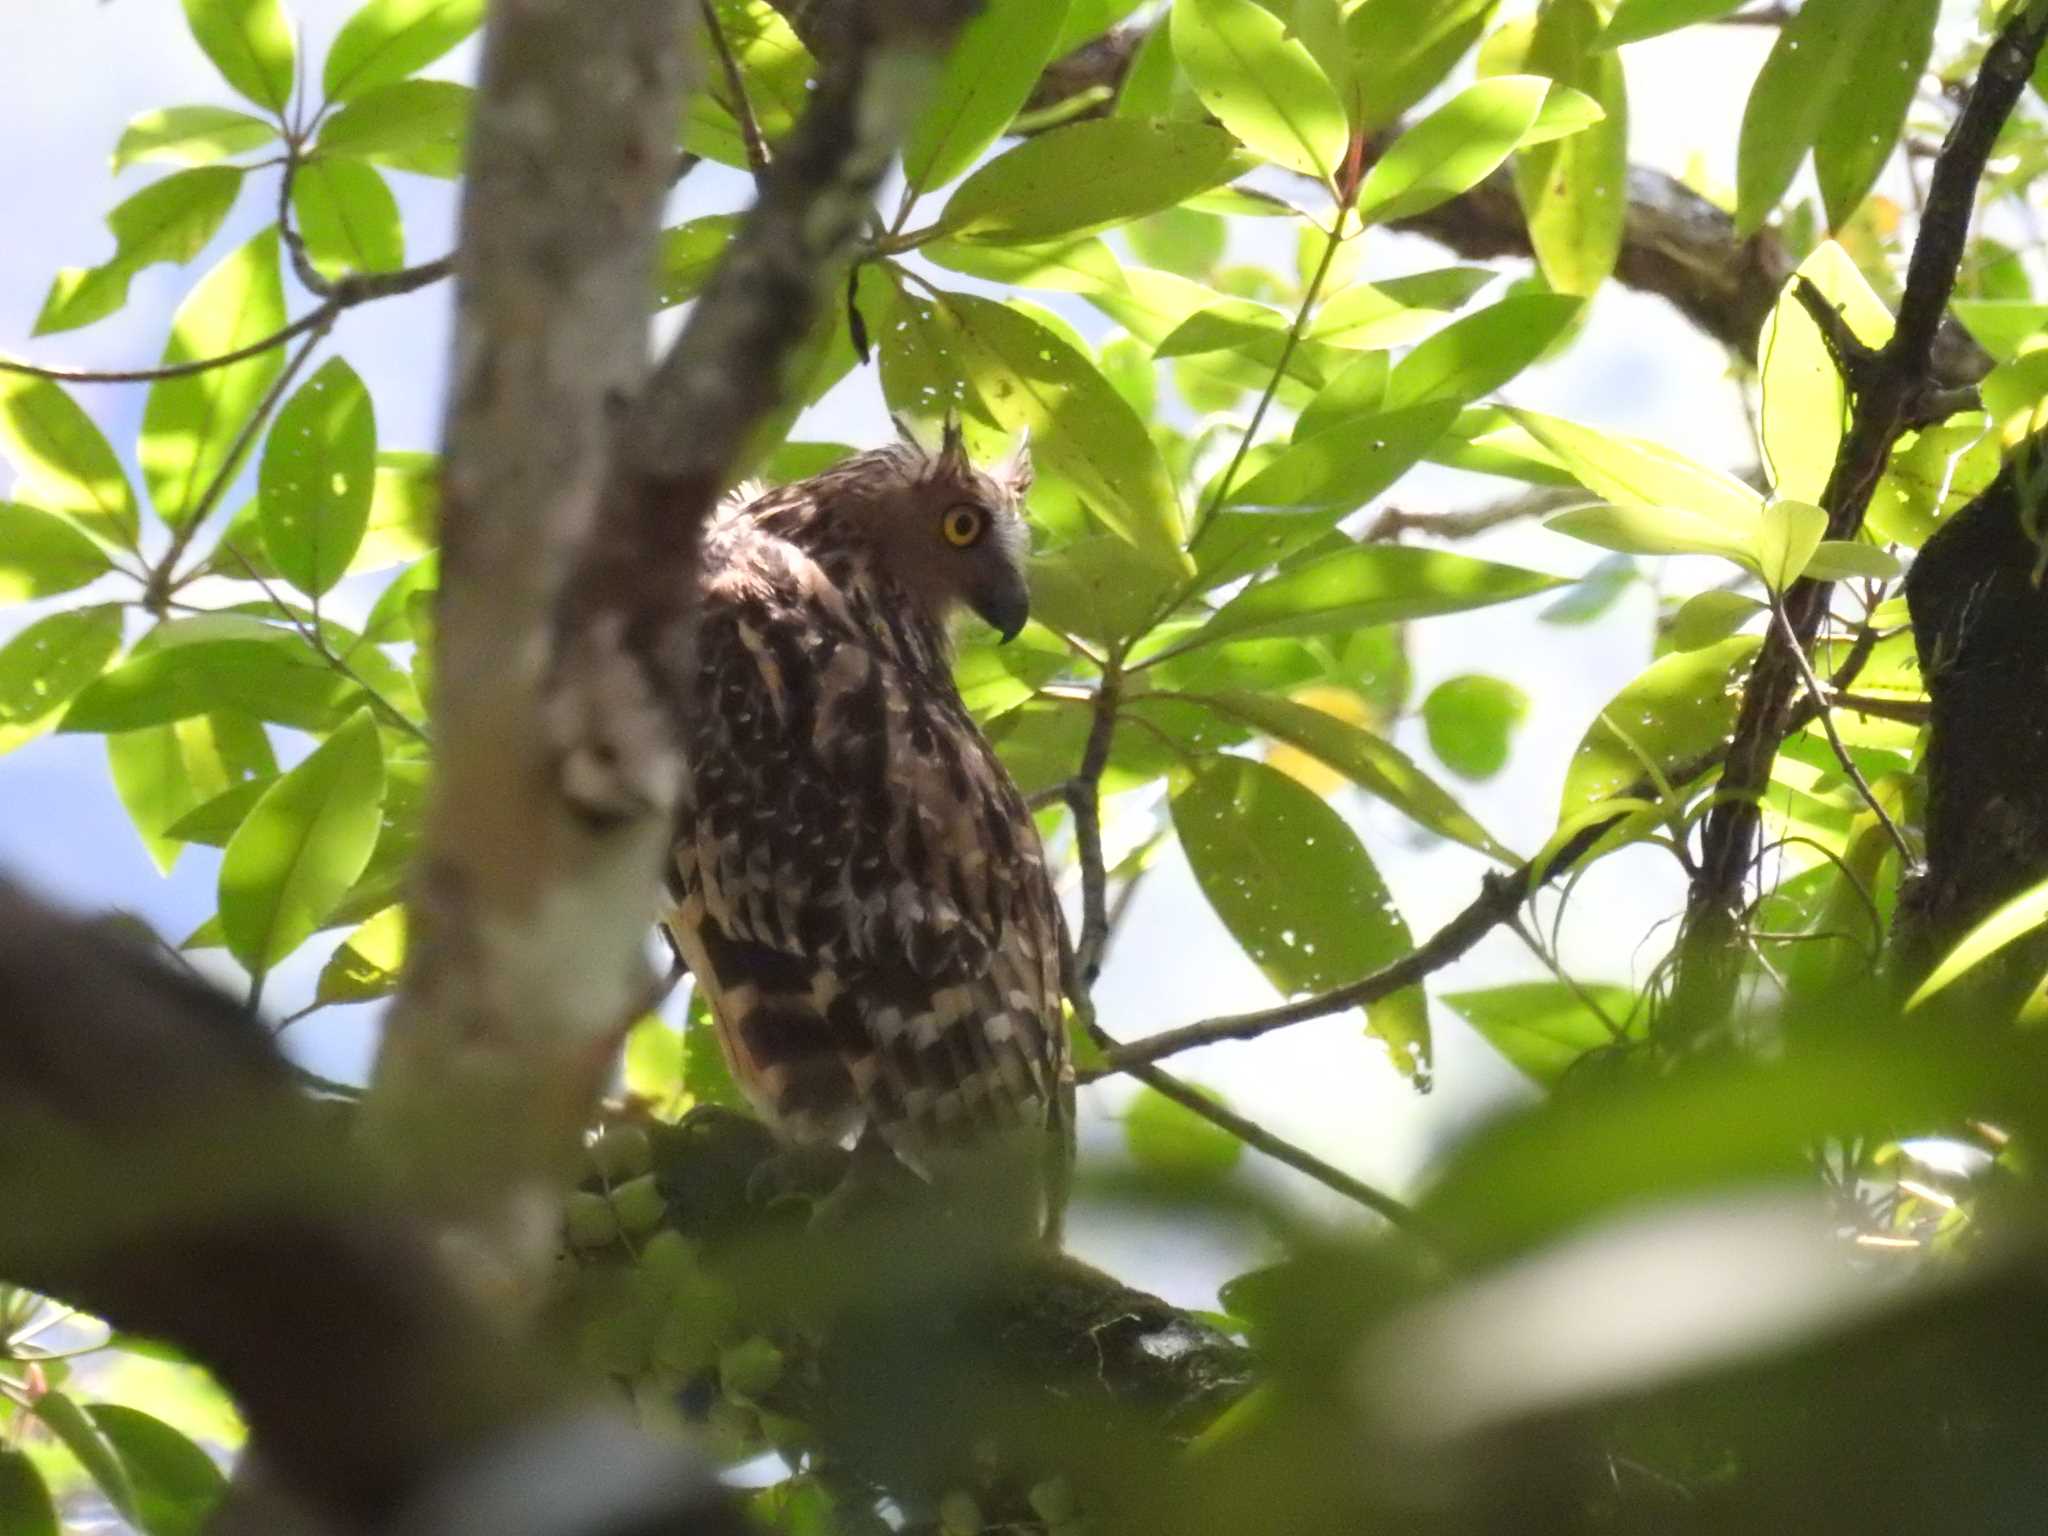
(952, 462)
(1015, 472)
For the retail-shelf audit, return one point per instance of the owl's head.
(951, 535)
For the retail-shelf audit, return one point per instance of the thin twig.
(1909, 860)
(742, 103)
(310, 277)
(162, 580)
(310, 633)
(1084, 800)
(1904, 711)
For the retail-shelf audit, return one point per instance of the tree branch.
(1891, 391)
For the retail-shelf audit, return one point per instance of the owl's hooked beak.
(1005, 602)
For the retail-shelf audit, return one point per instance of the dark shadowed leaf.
(41, 554)
(347, 217)
(25, 1507)
(989, 72)
(250, 43)
(1293, 884)
(315, 478)
(1262, 84)
(387, 40)
(302, 846)
(1087, 175)
(176, 1484)
(367, 963)
(62, 462)
(62, 1416)
(190, 422)
(190, 136)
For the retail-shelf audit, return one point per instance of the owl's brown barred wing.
(862, 894)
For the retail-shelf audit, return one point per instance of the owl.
(858, 886)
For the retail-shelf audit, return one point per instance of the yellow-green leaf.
(988, 74)
(1401, 50)
(41, 554)
(347, 217)
(2013, 920)
(1085, 176)
(62, 462)
(1805, 406)
(1262, 84)
(167, 221)
(250, 43)
(315, 480)
(1680, 708)
(1453, 149)
(387, 40)
(1574, 189)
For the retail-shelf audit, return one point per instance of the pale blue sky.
(72, 74)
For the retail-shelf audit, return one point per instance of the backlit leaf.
(1635, 20)
(347, 217)
(44, 665)
(1574, 190)
(989, 72)
(1401, 50)
(368, 962)
(2014, 919)
(197, 135)
(409, 125)
(167, 221)
(1633, 472)
(1470, 720)
(315, 479)
(1170, 1140)
(689, 254)
(1263, 85)
(1345, 466)
(250, 43)
(1805, 407)
(41, 554)
(1085, 176)
(190, 422)
(175, 1483)
(1678, 710)
(1475, 355)
(63, 1417)
(62, 462)
(215, 661)
(302, 846)
(1453, 149)
(165, 773)
(387, 40)
(1545, 1027)
(1791, 531)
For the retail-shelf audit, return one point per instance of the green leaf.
(368, 962)
(1838, 67)
(1470, 720)
(1707, 618)
(302, 847)
(1790, 533)
(1292, 883)
(2002, 327)
(1889, 47)
(347, 217)
(388, 39)
(1098, 589)
(315, 478)
(1636, 473)
(1574, 190)
(1594, 593)
(41, 554)
(690, 252)
(405, 510)
(1086, 176)
(989, 73)
(1635, 20)
(250, 43)
(1170, 1140)
(1367, 584)
(1263, 86)
(43, 666)
(62, 462)
(175, 1483)
(190, 136)
(82, 1438)
(1027, 378)
(165, 773)
(1367, 759)
(2012, 920)
(1805, 407)
(214, 822)
(1848, 559)
(1654, 531)
(25, 1507)
(215, 661)
(409, 125)
(1358, 390)
(1341, 469)
(777, 68)
(1476, 355)
(1401, 50)
(1678, 710)
(168, 221)
(1544, 1028)
(1453, 149)
(190, 422)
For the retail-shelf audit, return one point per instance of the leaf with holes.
(315, 479)
(46, 664)
(1296, 888)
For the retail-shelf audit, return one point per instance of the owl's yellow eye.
(964, 526)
